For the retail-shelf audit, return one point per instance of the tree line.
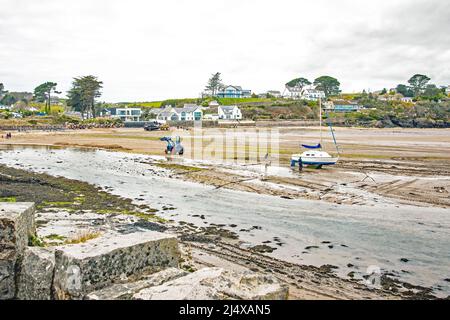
(81, 97)
(419, 86)
(327, 84)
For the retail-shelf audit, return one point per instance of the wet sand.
(406, 165)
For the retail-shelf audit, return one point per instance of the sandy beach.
(385, 178)
(408, 165)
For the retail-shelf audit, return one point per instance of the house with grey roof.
(233, 92)
(189, 112)
(229, 113)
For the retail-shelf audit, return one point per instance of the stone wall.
(16, 226)
(139, 265)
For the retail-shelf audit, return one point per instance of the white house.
(312, 94)
(213, 104)
(189, 112)
(124, 114)
(274, 93)
(229, 113)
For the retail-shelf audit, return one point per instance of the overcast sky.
(149, 50)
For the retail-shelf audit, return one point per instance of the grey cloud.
(153, 50)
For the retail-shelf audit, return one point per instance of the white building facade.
(125, 114)
(189, 112)
(312, 94)
(229, 113)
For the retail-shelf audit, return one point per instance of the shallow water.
(359, 235)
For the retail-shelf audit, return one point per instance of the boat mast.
(320, 119)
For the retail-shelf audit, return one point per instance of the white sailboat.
(314, 156)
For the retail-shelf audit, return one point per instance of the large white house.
(312, 94)
(189, 112)
(229, 113)
(124, 114)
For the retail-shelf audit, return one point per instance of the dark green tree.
(82, 95)
(432, 92)
(2, 90)
(74, 100)
(298, 82)
(43, 93)
(214, 83)
(328, 84)
(8, 99)
(418, 83)
(405, 90)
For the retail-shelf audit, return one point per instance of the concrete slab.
(217, 284)
(83, 268)
(125, 291)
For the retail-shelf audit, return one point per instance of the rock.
(217, 284)
(125, 291)
(36, 274)
(263, 248)
(7, 279)
(16, 226)
(83, 268)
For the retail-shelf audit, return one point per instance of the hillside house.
(391, 97)
(213, 104)
(273, 93)
(407, 99)
(233, 92)
(342, 106)
(312, 94)
(229, 113)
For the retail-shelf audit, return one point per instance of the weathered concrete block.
(34, 281)
(125, 291)
(217, 284)
(91, 266)
(16, 225)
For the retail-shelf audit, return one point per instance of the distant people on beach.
(8, 136)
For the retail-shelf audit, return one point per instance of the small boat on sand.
(315, 156)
